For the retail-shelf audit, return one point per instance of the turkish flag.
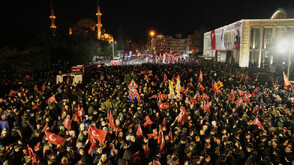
(239, 101)
(12, 93)
(67, 123)
(205, 96)
(247, 97)
(164, 122)
(186, 91)
(31, 154)
(240, 92)
(197, 95)
(93, 145)
(46, 128)
(95, 133)
(231, 97)
(163, 105)
(54, 139)
(43, 87)
(256, 108)
(202, 88)
(154, 97)
(136, 158)
(153, 84)
(255, 91)
(164, 78)
(111, 121)
(182, 117)
(147, 121)
(156, 162)
(286, 81)
(163, 96)
(35, 106)
(206, 108)
(170, 135)
(258, 123)
(51, 99)
(212, 39)
(79, 114)
(193, 101)
(182, 89)
(200, 77)
(139, 131)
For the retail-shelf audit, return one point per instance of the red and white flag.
(148, 121)
(255, 91)
(31, 154)
(46, 128)
(186, 91)
(164, 122)
(231, 96)
(51, 99)
(163, 96)
(197, 95)
(246, 97)
(136, 158)
(239, 101)
(182, 117)
(163, 105)
(258, 123)
(193, 101)
(154, 97)
(54, 139)
(170, 135)
(79, 114)
(67, 123)
(205, 96)
(95, 133)
(111, 121)
(200, 77)
(12, 93)
(212, 39)
(241, 92)
(93, 145)
(139, 131)
(206, 108)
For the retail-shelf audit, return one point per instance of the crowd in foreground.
(242, 122)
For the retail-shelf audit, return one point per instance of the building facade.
(249, 42)
(168, 44)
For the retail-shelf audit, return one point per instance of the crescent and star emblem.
(51, 138)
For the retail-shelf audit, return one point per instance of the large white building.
(249, 42)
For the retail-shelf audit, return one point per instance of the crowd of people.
(198, 125)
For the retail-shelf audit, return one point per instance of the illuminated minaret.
(99, 25)
(52, 18)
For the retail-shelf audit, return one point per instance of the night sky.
(138, 16)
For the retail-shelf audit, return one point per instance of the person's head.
(81, 151)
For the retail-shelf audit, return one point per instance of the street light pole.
(112, 50)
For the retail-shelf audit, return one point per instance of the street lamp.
(283, 47)
(152, 34)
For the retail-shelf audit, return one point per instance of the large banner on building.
(212, 38)
(223, 38)
(238, 36)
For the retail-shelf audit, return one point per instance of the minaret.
(99, 25)
(52, 18)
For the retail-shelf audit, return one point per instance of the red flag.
(202, 88)
(153, 134)
(139, 131)
(191, 85)
(160, 139)
(136, 158)
(286, 81)
(147, 121)
(46, 128)
(79, 114)
(146, 77)
(200, 78)
(54, 139)
(186, 91)
(219, 92)
(156, 78)
(43, 87)
(12, 93)
(239, 101)
(154, 97)
(31, 154)
(163, 105)
(212, 38)
(93, 145)
(111, 121)
(178, 78)
(193, 101)
(143, 72)
(255, 91)
(231, 97)
(67, 123)
(35, 106)
(163, 96)
(247, 97)
(205, 96)
(240, 92)
(164, 122)
(27, 77)
(95, 133)
(170, 135)
(164, 78)
(258, 123)
(256, 108)
(153, 84)
(51, 99)
(206, 108)
(182, 117)
(197, 95)
(156, 162)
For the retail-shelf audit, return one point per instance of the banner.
(223, 38)
(212, 38)
(238, 36)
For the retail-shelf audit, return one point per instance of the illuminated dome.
(279, 14)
